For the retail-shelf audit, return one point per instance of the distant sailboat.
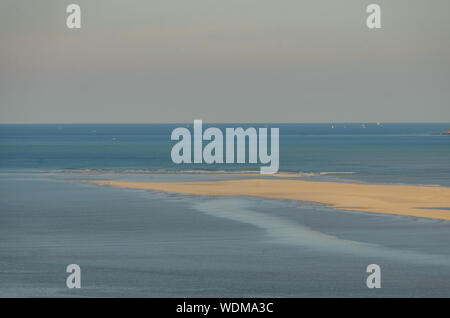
(363, 125)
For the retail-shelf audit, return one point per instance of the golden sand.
(419, 201)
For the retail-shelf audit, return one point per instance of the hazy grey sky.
(224, 61)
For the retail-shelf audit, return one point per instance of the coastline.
(410, 200)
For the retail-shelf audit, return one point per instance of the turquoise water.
(400, 153)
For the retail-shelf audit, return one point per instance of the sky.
(147, 61)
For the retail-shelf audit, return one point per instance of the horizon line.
(238, 122)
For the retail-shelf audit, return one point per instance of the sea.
(144, 243)
(370, 152)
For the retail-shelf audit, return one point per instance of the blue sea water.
(138, 243)
(386, 153)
